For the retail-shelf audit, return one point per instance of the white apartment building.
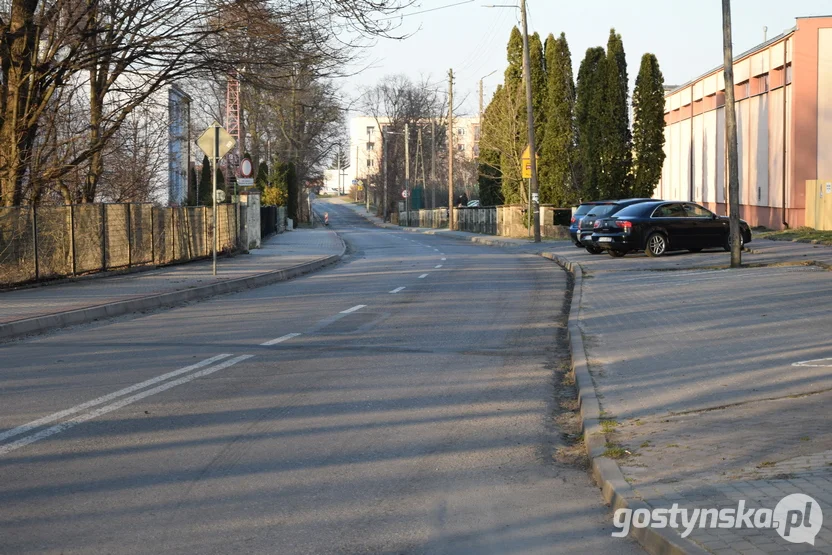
(365, 152)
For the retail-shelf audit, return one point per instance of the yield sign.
(216, 136)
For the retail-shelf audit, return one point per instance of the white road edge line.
(353, 309)
(423, 276)
(397, 289)
(279, 339)
(80, 419)
(437, 266)
(105, 398)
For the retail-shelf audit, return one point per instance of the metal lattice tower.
(234, 124)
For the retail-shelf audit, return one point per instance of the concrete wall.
(250, 219)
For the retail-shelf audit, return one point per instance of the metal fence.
(272, 220)
(45, 242)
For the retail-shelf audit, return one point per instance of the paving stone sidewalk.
(279, 252)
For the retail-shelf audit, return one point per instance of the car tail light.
(573, 220)
(627, 226)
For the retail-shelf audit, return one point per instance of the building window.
(370, 130)
(761, 84)
(789, 73)
(460, 131)
(476, 151)
(476, 132)
(741, 90)
(460, 147)
(371, 146)
(369, 163)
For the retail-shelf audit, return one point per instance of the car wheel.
(580, 246)
(727, 245)
(656, 244)
(695, 250)
(617, 254)
(594, 250)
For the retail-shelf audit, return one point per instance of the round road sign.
(246, 168)
(405, 193)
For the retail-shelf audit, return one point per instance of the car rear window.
(631, 211)
(583, 209)
(602, 209)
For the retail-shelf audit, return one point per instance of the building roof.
(762, 46)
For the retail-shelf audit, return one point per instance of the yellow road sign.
(526, 162)
(206, 141)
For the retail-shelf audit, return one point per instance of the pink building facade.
(783, 91)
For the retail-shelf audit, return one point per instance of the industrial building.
(783, 91)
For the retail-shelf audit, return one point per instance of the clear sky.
(685, 36)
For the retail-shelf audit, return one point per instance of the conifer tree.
(617, 144)
(205, 183)
(589, 108)
(648, 127)
(558, 162)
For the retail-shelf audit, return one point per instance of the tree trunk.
(17, 53)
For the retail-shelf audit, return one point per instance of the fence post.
(205, 228)
(129, 237)
(103, 237)
(172, 233)
(35, 238)
(72, 238)
(152, 237)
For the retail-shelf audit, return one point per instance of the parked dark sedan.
(658, 227)
(579, 214)
(601, 209)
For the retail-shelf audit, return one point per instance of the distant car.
(659, 227)
(575, 222)
(601, 209)
(473, 204)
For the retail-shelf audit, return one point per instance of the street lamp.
(481, 80)
(533, 186)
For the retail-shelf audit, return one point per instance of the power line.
(426, 11)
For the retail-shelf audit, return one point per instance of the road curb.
(606, 472)
(40, 324)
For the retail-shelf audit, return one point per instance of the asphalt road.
(412, 414)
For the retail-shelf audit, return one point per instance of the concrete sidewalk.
(71, 302)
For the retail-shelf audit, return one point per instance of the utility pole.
(356, 172)
(420, 153)
(450, 149)
(731, 139)
(339, 169)
(384, 154)
(533, 193)
(407, 172)
(433, 163)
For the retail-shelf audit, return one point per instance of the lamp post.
(527, 77)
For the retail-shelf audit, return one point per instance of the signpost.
(246, 178)
(526, 160)
(215, 142)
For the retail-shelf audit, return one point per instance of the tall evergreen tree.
(205, 183)
(511, 106)
(648, 127)
(489, 175)
(592, 77)
(558, 164)
(617, 145)
(538, 79)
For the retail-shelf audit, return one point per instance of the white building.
(365, 152)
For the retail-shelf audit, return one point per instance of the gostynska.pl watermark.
(797, 518)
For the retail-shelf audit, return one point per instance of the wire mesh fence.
(46, 242)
